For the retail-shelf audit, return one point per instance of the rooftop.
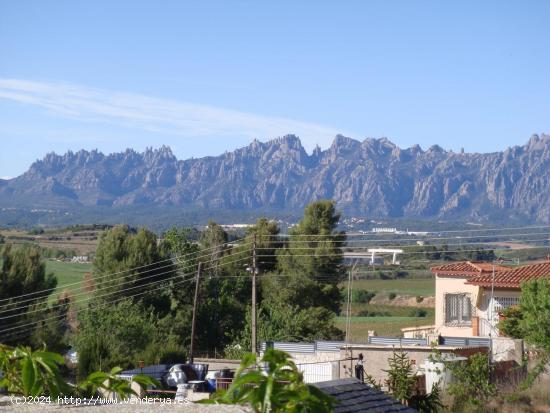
(513, 277)
(354, 396)
(467, 268)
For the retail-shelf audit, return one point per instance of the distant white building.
(384, 230)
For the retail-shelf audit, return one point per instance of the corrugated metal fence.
(303, 347)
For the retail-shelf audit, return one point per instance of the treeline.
(141, 305)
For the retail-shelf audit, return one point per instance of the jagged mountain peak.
(374, 177)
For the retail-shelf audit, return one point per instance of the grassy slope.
(384, 326)
(388, 325)
(405, 286)
(68, 273)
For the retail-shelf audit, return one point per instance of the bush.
(391, 296)
(418, 312)
(363, 296)
(114, 336)
(471, 386)
(419, 298)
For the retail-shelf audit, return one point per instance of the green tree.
(531, 321)
(510, 325)
(284, 322)
(126, 261)
(535, 321)
(313, 260)
(53, 328)
(117, 335)
(402, 385)
(304, 283)
(224, 289)
(23, 273)
(471, 386)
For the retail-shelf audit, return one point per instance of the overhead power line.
(122, 298)
(90, 297)
(130, 270)
(155, 274)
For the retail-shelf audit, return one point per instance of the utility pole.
(254, 271)
(197, 280)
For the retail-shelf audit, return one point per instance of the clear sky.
(205, 77)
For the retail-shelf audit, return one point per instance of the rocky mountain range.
(373, 178)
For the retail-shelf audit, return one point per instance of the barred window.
(500, 303)
(458, 309)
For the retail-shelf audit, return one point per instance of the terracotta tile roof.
(467, 268)
(513, 278)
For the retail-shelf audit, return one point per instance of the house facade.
(470, 295)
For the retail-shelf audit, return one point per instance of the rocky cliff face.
(372, 178)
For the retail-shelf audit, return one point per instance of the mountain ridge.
(373, 177)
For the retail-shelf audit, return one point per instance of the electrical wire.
(129, 270)
(110, 302)
(192, 274)
(85, 293)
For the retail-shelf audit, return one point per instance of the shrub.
(37, 373)
(419, 298)
(418, 312)
(363, 296)
(471, 386)
(402, 385)
(391, 296)
(373, 313)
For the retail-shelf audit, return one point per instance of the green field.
(69, 276)
(384, 326)
(391, 310)
(403, 286)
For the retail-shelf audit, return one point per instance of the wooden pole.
(254, 271)
(197, 280)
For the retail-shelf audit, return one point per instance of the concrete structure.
(418, 332)
(375, 357)
(319, 361)
(380, 251)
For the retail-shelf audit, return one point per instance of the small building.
(470, 296)
(457, 304)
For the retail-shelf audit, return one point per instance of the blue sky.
(205, 77)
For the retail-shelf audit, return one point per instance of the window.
(501, 303)
(498, 305)
(458, 309)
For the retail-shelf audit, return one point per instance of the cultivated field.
(384, 326)
(69, 277)
(424, 287)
